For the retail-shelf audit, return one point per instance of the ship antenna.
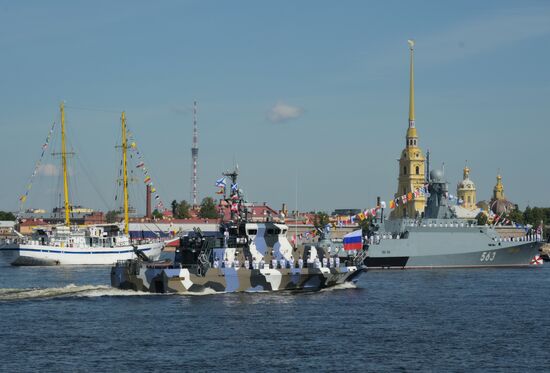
(195, 158)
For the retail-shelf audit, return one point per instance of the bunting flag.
(221, 182)
(221, 191)
(392, 204)
(234, 187)
(145, 170)
(23, 198)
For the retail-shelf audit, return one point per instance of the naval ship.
(242, 256)
(441, 240)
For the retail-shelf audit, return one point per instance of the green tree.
(157, 214)
(111, 216)
(174, 207)
(208, 209)
(4, 215)
(321, 219)
(516, 216)
(182, 210)
(481, 219)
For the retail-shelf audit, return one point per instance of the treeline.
(208, 210)
(531, 215)
(5, 215)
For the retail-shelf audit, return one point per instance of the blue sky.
(309, 97)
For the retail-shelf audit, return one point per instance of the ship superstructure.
(240, 256)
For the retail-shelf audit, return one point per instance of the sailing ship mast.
(125, 172)
(64, 166)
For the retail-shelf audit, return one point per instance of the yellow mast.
(124, 172)
(64, 165)
(411, 89)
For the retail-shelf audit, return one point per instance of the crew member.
(217, 263)
(300, 262)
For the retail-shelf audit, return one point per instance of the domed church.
(498, 204)
(466, 191)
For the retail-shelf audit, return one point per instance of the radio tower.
(194, 156)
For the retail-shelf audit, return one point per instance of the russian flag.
(353, 240)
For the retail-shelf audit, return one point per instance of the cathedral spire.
(411, 91)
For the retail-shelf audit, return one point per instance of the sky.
(309, 98)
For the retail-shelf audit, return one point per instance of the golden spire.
(411, 89)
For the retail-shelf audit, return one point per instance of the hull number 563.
(488, 256)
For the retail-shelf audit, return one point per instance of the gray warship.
(440, 240)
(242, 256)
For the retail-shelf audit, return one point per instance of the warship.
(242, 256)
(441, 240)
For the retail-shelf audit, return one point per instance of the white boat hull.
(29, 254)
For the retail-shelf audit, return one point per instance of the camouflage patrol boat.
(242, 256)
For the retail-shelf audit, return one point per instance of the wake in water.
(344, 286)
(89, 291)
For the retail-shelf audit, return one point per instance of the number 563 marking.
(488, 256)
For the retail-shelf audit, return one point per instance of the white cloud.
(282, 112)
(48, 169)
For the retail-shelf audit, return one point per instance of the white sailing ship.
(68, 244)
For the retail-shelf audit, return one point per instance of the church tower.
(498, 190)
(412, 162)
(466, 191)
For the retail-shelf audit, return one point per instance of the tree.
(157, 214)
(208, 209)
(516, 216)
(481, 219)
(182, 210)
(4, 215)
(111, 216)
(321, 219)
(174, 207)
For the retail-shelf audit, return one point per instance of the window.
(417, 170)
(405, 170)
(252, 232)
(469, 199)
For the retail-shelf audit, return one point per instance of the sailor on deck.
(247, 263)
(282, 262)
(337, 262)
(226, 263)
(236, 263)
(325, 262)
(331, 262)
(217, 263)
(274, 263)
(254, 263)
(262, 263)
(300, 262)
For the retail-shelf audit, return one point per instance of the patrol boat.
(441, 240)
(242, 256)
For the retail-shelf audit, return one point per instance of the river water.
(69, 319)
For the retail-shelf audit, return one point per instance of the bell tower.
(412, 162)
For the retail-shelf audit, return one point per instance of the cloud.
(282, 112)
(48, 169)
